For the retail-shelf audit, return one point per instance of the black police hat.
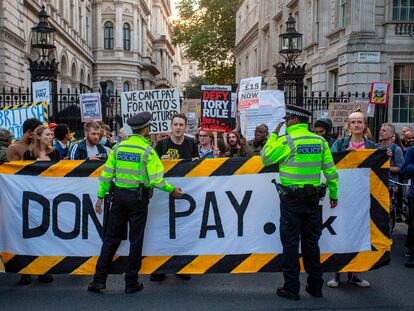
(140, 120)
(296, 111)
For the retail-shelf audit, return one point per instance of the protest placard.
(249, 92)
(162, 103)
(339, 112)
(192, 109)
(379, 93)
(90, 105)
(217, 108)
(270, 111)
(12, 117)
(41, 91)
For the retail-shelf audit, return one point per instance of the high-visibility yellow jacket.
(301, 155)
(132, 163)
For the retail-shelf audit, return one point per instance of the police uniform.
(301, 155)
(134, 168)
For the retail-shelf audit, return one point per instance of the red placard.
(380, 92)
(217, 109)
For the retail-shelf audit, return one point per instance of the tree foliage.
(207, 31)
(193, 87)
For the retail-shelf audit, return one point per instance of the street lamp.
(290, 41)
(43, 36)
(43, 68)
(289, 74)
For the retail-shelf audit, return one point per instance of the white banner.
(90, 104)
(238, 214)
(162, 103)
(41, 91)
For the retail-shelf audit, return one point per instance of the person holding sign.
(301, 155)
(177, 146)
(134, 168)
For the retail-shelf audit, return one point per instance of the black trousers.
(409, 241)
(127, 207)
(301, 219)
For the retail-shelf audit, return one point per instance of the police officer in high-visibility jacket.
(134, 168)
(301, 155)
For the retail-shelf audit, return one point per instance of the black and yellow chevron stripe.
(379, 256)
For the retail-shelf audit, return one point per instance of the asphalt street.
(392, 289)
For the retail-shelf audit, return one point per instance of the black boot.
(137, 287)
(96, 286)
(25, 279)
(287, 294)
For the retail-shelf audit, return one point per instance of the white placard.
(249, 92)
(54, 216)
(41, 91)
(270, 111)
(91, 108)
(162, 103)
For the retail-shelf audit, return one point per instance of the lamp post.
(44, 68)
(289, 74)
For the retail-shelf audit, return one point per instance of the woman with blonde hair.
(40, 147)
(358, 128)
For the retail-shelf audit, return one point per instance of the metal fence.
(68, 108)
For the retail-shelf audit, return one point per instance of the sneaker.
(334, 283)
(409, 263)
(408, 253)
(359, 282)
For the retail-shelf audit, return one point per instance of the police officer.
(301, 155)
(133, 167)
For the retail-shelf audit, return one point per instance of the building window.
(109, 36)
(333, 81)
(127, 37)
(403, 10)
(316, 32)
(403, 99)
(110, 87)
(125, 87)
(342, 13)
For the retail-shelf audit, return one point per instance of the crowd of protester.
(55, 142)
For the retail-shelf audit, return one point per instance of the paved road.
(392, 289)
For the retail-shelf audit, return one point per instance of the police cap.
(296, 111)
(140, 120)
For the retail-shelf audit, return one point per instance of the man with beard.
(234, 146)
(255, 145)
(89, 148)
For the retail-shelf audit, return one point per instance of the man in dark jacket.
(89, 148)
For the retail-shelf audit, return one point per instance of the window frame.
(109, 35)
(126, 37)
